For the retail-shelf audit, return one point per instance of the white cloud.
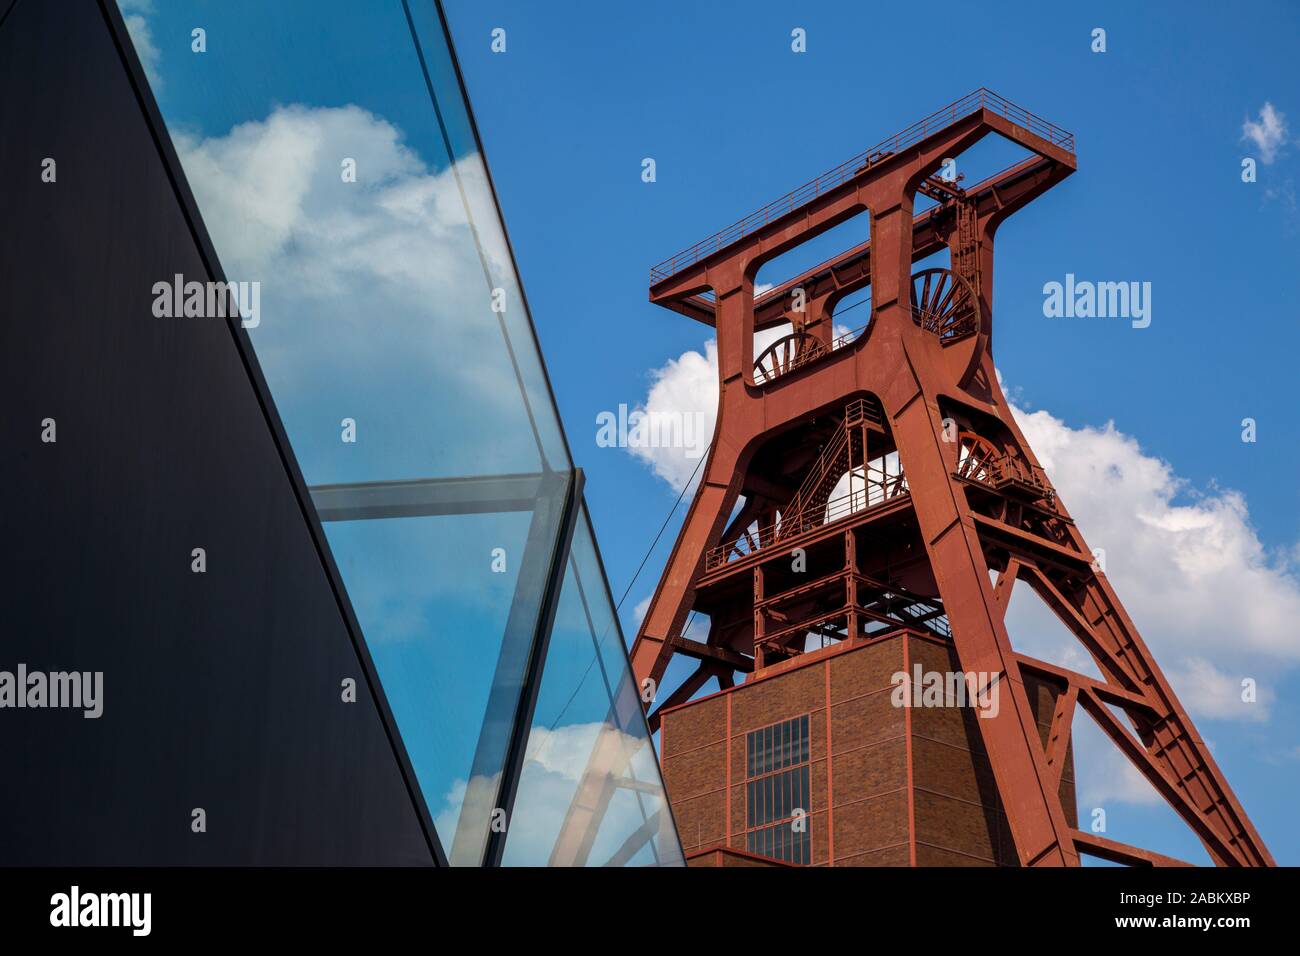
(1211, 602)
(687, 385)
(1267, 134)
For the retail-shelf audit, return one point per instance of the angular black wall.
(221, 690)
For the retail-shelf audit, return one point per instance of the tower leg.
(672, 600)
(1010, 735)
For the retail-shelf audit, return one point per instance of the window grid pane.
(777, 761)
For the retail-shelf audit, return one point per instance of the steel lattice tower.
(946, 508)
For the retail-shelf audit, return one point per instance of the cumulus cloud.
(1212, 602)
(687, 387)
(1267, 134)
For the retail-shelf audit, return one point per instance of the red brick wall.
(864, 816)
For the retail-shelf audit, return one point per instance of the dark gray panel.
(221, 690)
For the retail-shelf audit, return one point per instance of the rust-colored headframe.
(946, 505)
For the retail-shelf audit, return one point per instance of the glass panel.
(331, 154)
(377, 276)
(406, 609)
(590, 791)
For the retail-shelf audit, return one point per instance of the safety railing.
(1009, 471)
(863, 410)
(972, 102)
(877, 488)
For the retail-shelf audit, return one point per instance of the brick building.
(881, 784)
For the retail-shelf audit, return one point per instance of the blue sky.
(733, 119)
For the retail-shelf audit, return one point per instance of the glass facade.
(590, 790)
(334, 162)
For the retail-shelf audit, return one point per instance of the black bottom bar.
(938, 909)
